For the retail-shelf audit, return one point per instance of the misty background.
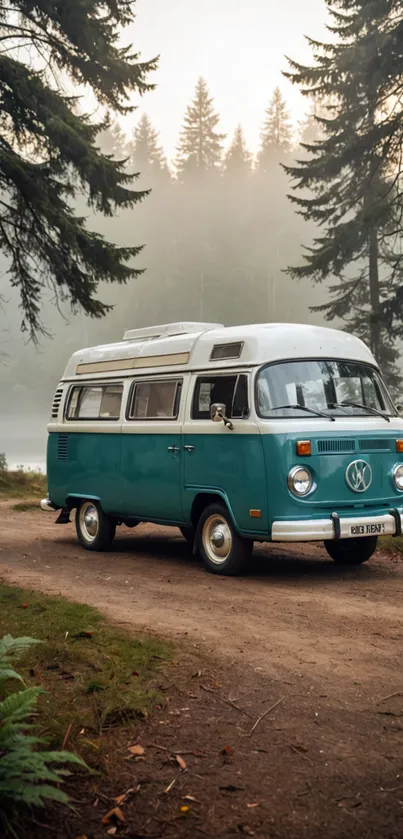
(217, 236)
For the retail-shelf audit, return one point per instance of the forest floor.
(276, 703)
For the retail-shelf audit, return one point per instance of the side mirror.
(399, 409)
(217, 413)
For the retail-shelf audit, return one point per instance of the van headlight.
(300, 480)
(398, 476)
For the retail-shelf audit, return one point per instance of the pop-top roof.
(198, 346)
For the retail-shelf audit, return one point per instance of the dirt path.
(328, 639)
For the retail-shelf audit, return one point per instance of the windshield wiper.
(373, 411)
(303, 408)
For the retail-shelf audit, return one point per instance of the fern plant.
(28, 774)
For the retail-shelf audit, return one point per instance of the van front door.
(152, 451)
(224, 462)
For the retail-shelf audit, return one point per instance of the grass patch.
(21, 484)
(95, 675)
(26, 506)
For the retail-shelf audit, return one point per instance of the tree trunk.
(375, 315)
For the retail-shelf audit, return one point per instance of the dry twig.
(265, 715)
(227, 701)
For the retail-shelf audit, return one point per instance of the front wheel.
(352, 551)
(222, 550)
(95, 530)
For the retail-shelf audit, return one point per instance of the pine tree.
(112, 140)
(49, 152)
(238, 158)
(200, 144)
(145, 150)
(354, 185)
(276, 135)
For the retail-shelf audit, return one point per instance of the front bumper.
(337, 527)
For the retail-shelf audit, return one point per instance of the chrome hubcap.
(217, 539)
(89, 521)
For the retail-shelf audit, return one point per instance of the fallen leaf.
(190, 798)
(182, 763)
(115, 813)
(250, 806)
(226, 750)
(121, 798)
(112, 831)
(84, 634)
(197, 675)
(185, 809)
(135, 673)
(244, 828)
(136, 750)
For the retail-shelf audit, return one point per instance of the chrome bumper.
(337, 527)
(48, 506)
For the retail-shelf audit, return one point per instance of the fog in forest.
(218, 233)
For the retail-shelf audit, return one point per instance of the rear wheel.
(222, 550)
(352, 551)
(95, 530)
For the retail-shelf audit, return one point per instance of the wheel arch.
(206, 497)
(74, 499)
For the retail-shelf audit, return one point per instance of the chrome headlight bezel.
(398, 468)
(292, 481)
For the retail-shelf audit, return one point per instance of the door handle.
(189, 448)
(173, 449)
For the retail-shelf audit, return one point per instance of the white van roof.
(203, 346)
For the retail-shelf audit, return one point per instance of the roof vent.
(167, 330)
(224, 351)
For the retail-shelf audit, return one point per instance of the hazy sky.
(238, 45)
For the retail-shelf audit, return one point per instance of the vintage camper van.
(272, 432)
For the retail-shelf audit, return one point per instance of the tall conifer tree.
(238, 157)
(49, 151)
(200, 144)
(276, 134)
(145, 149)
(353, 177)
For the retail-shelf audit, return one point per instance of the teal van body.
(132, 431)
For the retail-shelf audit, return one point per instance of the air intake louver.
(56, 403)
(374, 445)
(62, 447)
(336, 446)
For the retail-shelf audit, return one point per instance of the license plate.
(367, 529)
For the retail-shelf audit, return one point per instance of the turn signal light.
(399, 446)
(304, 448)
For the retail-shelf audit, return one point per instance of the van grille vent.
(371, 445)
(56, 402)
(62, 447)
(335, 446)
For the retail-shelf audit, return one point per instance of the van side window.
(95, 402)
(231, 391)
(155, 400)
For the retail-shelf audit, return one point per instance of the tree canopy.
(349, 182)
(200, 144)
(53, 53)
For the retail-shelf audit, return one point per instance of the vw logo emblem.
(359, 476)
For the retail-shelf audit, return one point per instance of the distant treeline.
(218, 231)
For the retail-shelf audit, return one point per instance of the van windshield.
(336, 388)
